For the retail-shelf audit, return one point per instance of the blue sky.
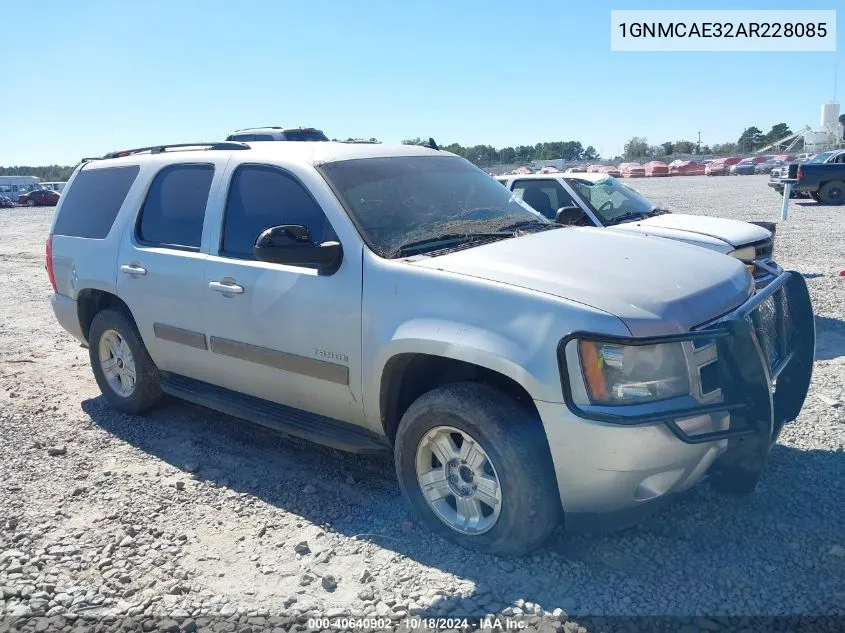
(88, 77)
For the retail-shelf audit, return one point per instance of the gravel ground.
(190, 519)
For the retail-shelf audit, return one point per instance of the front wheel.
(125, 373)
(476, 467)
(832, 192)
(30, 203)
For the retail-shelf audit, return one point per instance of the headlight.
(746, 253)
(617, 374)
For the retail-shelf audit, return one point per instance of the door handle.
(133, 269)
(225, 286)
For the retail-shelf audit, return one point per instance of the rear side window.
(174, 210)
(260, 197)
(91, 204)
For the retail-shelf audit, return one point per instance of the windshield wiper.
(526, 224)
(452, 238)
(627, 217)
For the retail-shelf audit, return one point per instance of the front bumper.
(613, 468)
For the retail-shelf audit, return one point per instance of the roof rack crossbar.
(158, 149)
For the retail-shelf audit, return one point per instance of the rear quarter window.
(92, 202)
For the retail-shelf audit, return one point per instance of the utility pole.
(698, 151)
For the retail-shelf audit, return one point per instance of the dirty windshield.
(411, 204)
(612, 201)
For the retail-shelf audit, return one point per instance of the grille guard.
(757, 410)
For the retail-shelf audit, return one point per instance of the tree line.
(485, 155)
(751, 140)
(637, 147)
(47, 173)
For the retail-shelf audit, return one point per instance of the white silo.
(830, 118)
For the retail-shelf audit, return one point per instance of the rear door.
(161, 266)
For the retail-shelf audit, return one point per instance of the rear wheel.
(125, 373)
(30, 203)
(832, 192)
(476, 468)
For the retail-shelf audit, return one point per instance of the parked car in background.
(790, 171)
(549, 170)
(746, 166)
(277, 133)
(6, 203)
(768, 166)
(395, 299)
(578, 169)
(822, 178)
(595, 168)
(631, 170)
(600, 200)
(58, 187)
(656, 168)
(40, 198)
(610, 170)
(786, 158)
(721, 166)
(686, 168)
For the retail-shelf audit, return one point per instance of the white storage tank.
(830, 117)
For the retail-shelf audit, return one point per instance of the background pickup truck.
(822, 177)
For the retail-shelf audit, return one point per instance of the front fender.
(462, 342)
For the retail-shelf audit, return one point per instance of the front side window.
(545, 196)
(260, 197)
(403, 200)
(174, 210)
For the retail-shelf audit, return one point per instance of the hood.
(655, 286)
(715, 233)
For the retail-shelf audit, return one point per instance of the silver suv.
(375, 297)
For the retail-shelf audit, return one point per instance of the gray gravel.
(188, 519)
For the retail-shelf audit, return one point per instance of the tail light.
(49, 265)
(800, 173)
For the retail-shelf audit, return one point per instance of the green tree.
(636, 147)
(668, 148)
(684, 147)
(507, 155)
(750, 139)
(412, 141)
(590, 153)
(778, 131)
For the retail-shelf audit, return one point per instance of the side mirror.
(292, 244)
(571, 216)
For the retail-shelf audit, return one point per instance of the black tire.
(815, 196)
(146, 392)
(516, 445)
(30, 203)
(832, 192)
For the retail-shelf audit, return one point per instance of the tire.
(145, 391)
(30, 203)
(815, 196)
(516, 456)
(832, 192)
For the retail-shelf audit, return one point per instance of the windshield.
(611, 200)
(406, 199)
(820, 158)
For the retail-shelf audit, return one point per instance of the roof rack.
(263, 127)
(159, 149)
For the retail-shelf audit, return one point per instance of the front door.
(283, 333)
